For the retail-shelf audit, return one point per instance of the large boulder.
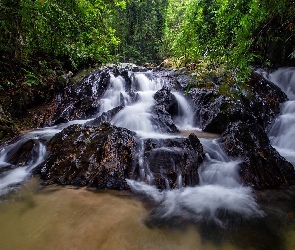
(172, 163)
(266, 100)
(99, 157)
(211, 110)
(105, 156)
(262, 166)
(257, 101)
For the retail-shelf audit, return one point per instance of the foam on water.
(200, 203)
(220, 192)
(115, 95)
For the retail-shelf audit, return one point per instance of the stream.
(219, 213)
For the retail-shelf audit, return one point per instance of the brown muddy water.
(37, 217)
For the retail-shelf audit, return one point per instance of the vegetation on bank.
(43, 40)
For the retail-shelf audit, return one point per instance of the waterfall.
(137, 115)
(220, 190)
(282, 133)
(184, 120)
(115, 95)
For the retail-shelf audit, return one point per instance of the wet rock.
(262, 166)
(259, 102)
(166, 106)
(266, 99)
(172, 163)
(22, 154)
(75, 101)
(98, 157)
(211, 110)
(105, 156)
(184, 80)
(105, 117)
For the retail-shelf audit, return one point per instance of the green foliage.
(77, 31)
(140, 29)
(231, 34)
(235, 34)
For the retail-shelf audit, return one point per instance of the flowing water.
(184, 218)
(282, 133)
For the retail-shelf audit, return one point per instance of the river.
(55, 217)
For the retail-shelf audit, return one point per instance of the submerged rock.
(98, 157)
(172, 163)
(22, 154)
(262, 166)
(105, 117)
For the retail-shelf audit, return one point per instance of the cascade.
(283, 130)
(115, 95)
(220, 190)
(184, 119)
(137, 116)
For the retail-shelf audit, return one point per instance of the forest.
(39, 35)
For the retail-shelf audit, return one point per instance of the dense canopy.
(37, 35)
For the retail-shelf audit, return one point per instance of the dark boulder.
(22, 154)
(173, 162)
(105, 117)
(163, 110)
(99, 157)
(183, 81)
(105, 156)
(262, 166)
(75, 101)
(213, 112)
(258, 101)
(266, 100)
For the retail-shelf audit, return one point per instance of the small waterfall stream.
(282, 133)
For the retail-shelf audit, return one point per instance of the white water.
(137, 117)
(282, 133)
(115, 95)
(219, 192)
(184, 120)
(10, 178)
(220, 189)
